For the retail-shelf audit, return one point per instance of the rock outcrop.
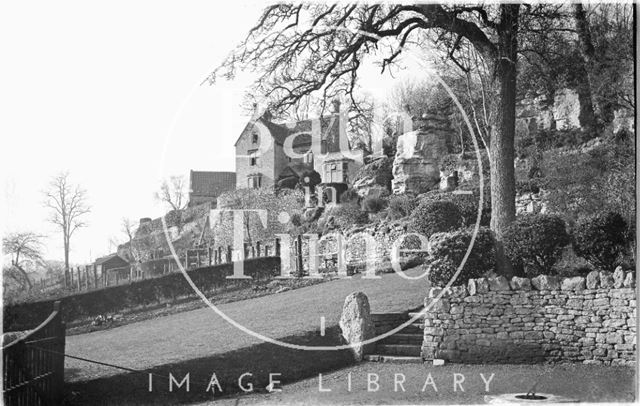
(416, 164)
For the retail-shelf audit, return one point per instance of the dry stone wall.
(544, 319)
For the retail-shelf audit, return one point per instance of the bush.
(349, 196)
(435, 217)
(400, 206)
(600, 239)
(466, 203)
(374, 204)
(348, 214)
(534, 243)
(452, 247)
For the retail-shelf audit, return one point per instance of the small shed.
(112, 266)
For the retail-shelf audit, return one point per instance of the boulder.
(374, 175)
(593, 280)
(475, 286)
(606, 280)
(498, 283)
(518, 283)
(574, 284)
(416, 164)
(356, 323)
(618, 277)
(629, 280)
(545, 282)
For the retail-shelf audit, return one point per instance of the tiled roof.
(106, 258)
(204, 183)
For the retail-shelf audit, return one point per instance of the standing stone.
(593, 279)
(618, 277)
(545, 282)
(606, 280)
(416, 164)
(576, 284)
(356, 323)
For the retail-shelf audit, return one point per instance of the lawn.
(201, 342)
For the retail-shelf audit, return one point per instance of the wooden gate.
(33, 366)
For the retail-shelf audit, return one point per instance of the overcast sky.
(103, 90)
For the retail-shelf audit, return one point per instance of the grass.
(201, 342)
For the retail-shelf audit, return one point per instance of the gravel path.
(586, 383)
(202, 333)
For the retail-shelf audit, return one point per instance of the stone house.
(267, 152)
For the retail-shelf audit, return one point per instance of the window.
(253, 157)
(254, 181)
(254, 138)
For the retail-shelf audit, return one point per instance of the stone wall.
(544, 319)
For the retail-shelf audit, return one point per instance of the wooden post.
(95, 276)
(277, 247)
(79, 277)
(210, 253)
(229, 251)
(86, 274)
(299, 263)
(258, 248)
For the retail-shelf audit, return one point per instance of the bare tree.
(23, 247)
(173, 192)
(68, 206)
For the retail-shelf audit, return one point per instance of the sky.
(111, 92)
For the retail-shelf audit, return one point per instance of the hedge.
(164, 289)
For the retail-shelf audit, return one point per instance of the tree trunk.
(588, 56)
(66, 262)
(503, 209)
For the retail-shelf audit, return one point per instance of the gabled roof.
(329, 132)
(108, 258)
(205, 183)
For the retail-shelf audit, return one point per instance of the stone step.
(399, 349)
(393, 359)
(404, 338)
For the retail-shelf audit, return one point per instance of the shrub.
(374, 204)
(400, 206)
(435, 217)
(348, 214)
(600, 239)
(451, 247)
(534, 243)
(466, 203)
(349, 196)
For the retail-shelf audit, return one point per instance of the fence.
(34, 364)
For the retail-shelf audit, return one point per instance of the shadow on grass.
(260, 360)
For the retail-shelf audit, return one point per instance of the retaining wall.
(545, 319)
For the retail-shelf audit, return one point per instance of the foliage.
(309, 179)
(600, 239)
(346, 215)
(112, 299)
(466, 203)
(379, 170)
(450, 248)
(534, 243)
(580, 183)
(435, 216)
(350, 196)
(400, 206)
(287, 201)
(373, 204)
